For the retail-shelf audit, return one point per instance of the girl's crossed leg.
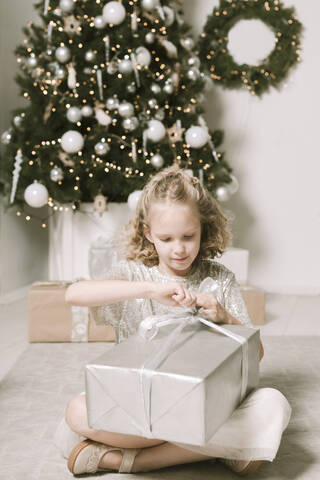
(154, 454)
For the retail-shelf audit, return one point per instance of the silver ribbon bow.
(149, 329)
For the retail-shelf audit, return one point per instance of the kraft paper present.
(192, 392)
(255, 303)
(51, 319)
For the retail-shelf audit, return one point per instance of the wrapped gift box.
(193, 391)
(255, 302)
(51, 319)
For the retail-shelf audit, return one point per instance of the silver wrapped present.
(178, 383)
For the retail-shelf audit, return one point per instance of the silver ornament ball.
(132, 88)
(74, 114)
(157, 160)
(155, 88)
(63, 54)
(114, 13)
(112, 103)
(222, 194)
(193, 74)
(32, 62)
(194, 62)
(36, 195)
(66, 6)
(149, 5)
(143, 56)
(150, 37)
(168, 88)
(99, 22)
(152, 102)
(126, 109)
(6, 137)
(101, 148)
(56, 174)
(130, 123)
(187, 43)
(60, 73)
(125, 66)
(86, 111)
(90, 56)
(17, 121)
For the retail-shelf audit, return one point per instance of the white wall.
(23, 245)
(272, 144)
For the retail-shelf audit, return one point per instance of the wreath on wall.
(258, 79)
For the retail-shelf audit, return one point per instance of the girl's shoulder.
(215, 270)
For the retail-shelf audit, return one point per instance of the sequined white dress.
(254, 430)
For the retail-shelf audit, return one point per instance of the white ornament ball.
(125, 66)
(157, 160)
(196, 137)
(102, 117)
(101, 148)
(168, 88)
(60, 73)
(66, 6)
(90, 56)
(17, 121)
(6, 137)
(233, 187)
(86, 111)
(132, 88)
(112, 103)
(155, 88)
(36, 195)
(222, 194)
(153, 103)
(56, 174)
(32, 62)
(143, 56)
(133, 200)
(156, 131)
(187, 43)
(194, 62)
(72, 141)
(99, 22)
(114, 12)
(150, 37)
(149, 5)
(130, 123)
(74, 114)
(126, 109)
(160, 114)
(112, 68)
(63, 54)
(193, 74)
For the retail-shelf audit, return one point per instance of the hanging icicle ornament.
(107, 48)
(134, 20)
(136, 72)
(99, 81)
(144, 142)
(134, 151)
(49, 35)
(16, 174)
(201, 176)
(72, 79)
(46, 7)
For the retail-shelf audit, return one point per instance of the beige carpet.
(34, 394)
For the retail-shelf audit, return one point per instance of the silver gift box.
(193, 392)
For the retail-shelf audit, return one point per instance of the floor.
(291, 339)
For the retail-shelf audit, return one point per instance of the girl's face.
(175, 231)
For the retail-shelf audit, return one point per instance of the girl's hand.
(174, 295)
(211, 308)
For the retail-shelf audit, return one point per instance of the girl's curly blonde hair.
(176, 185)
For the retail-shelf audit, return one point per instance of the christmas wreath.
(213, 44)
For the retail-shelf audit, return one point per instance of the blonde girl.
(177, 231)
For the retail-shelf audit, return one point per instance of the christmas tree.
(114, 92)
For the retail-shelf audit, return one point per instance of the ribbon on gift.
(149, 329)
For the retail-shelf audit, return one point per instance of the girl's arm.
(93, 293)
